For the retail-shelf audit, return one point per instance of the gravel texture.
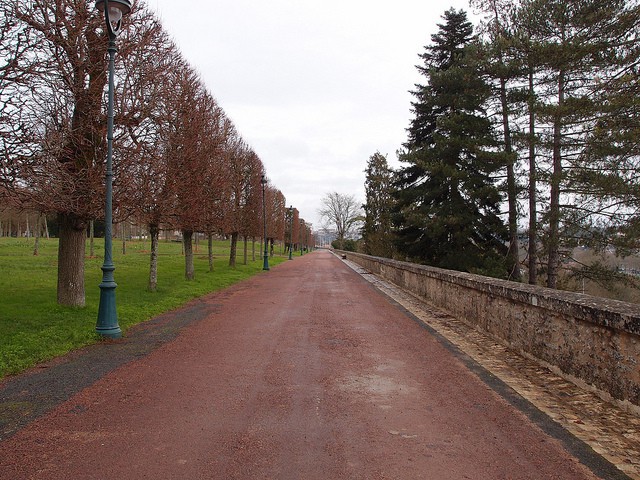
(303, 372)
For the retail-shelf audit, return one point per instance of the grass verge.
(34, 328)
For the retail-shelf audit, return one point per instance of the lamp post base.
(266, 262)
(107, 325)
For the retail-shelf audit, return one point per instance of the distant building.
(324, 237)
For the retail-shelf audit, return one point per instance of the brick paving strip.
(607, 429)
(304, 372)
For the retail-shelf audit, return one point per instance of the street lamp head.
(114, 10)
(263, 180)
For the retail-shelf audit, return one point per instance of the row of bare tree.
(179, 161)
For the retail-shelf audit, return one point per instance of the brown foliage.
(178, 161)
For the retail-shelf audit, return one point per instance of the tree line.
(179, 161)
(524, 138)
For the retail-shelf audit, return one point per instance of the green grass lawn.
(34, 328)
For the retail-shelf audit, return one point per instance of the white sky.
(315, 87)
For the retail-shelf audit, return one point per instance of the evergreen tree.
(613, 151)
(530, 53)
(605, 177)
(377, 223)
(586, 46)
(447, 203)
(502, 69)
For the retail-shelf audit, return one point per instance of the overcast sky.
(315, 87)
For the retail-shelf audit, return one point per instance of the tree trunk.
(533, 201)
(554, 201)
(245, 240)
(154, 233)
(234, 247)
(46, 227)
(189, 271)
(210, 245)
(512, 193)
(123, 235)
(253, 249)
(91, 236)
(36, 245)
(71, 261)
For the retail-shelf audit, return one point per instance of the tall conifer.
(447, 203)
(377, 223)
(587, 46)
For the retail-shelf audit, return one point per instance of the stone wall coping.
(605, 312)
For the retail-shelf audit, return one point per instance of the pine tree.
(377, 223)
(502, 69)
(447, 203)
(586, 46)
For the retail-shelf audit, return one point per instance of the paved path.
(303, 372)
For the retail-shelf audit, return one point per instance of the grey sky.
(315, 87)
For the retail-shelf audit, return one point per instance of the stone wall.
(594, 342)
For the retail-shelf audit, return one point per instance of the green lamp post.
(300, 237)
(290, 232)
(107, 324)
(265, 266)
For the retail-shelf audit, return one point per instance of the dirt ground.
(302, 372)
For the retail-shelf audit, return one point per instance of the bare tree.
(343, 212)
(251, 213)
(276, 206)
(214, 178)
(176, 156)
(145, 122)
(294, 229)
(54, 126)
(183, 160)
(244, 170)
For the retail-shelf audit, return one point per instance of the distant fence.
(594, 342)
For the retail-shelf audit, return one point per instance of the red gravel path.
(303, 372)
